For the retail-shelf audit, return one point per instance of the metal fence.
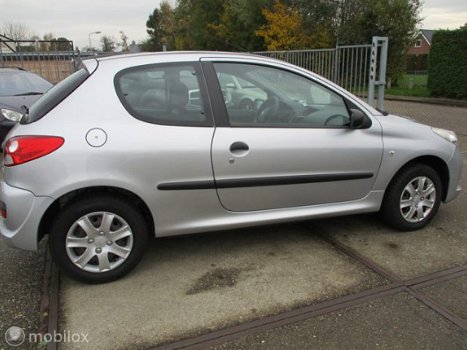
(51, 59)
(356, 68)
(347, 66)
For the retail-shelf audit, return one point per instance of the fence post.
(381, 82)
(382, 72)
(373, 62)
(336, 64)
(2, 64)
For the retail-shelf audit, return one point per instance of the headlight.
(448, 135)
(9, 114)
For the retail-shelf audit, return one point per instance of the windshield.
(20, 83)
(54, 96)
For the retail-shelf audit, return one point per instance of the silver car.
(137, 146)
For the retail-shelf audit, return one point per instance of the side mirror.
(358, 120)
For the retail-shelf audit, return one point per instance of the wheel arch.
(434, 162)
(55, 207)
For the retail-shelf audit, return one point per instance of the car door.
(295, 148)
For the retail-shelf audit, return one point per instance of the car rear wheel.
(98, 239)
(413, 198)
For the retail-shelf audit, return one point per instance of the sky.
(74, 20)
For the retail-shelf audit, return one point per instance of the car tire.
(412, 198)
(98, 239)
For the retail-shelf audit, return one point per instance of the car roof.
(194, 54)
(12, 69)
(127, 60)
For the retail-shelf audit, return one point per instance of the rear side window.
(54, 96)
(168, 94)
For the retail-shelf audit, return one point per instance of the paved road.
(453, 118)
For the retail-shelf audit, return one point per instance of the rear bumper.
(24, 214)
(455, 172)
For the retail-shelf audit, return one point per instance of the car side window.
(257, 96)
(167, 94)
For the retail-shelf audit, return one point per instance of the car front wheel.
(412, 198)
(98, 239)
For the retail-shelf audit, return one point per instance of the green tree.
(161, 28)
(167, 25)
(238, 24)
(45, 46)
(108, 43)
(61, 44)
(396, 19)
(320, 21)
(123, 41)
(194, 21)
(154, 29)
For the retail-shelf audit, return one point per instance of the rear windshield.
(54, 96)
(19, 83)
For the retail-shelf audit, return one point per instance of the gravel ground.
(21, 287)
(394, 322)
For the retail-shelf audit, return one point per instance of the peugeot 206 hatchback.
(145, 145)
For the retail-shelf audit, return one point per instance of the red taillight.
(22, 149)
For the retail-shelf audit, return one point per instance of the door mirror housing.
(359, 120)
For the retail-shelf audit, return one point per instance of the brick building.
(417, 54)
(422, 44)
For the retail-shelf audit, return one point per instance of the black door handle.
(239, 147)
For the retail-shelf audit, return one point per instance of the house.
(417, 54)
(422, 44)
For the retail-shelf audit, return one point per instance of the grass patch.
(418, 91)
(410, 85)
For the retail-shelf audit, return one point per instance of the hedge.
(447, 64)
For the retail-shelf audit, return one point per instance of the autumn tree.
(283, 29)
(254, 25)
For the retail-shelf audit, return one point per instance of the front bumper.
(455, 172)
(24, 214)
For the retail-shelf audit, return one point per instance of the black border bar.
(262, 181)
